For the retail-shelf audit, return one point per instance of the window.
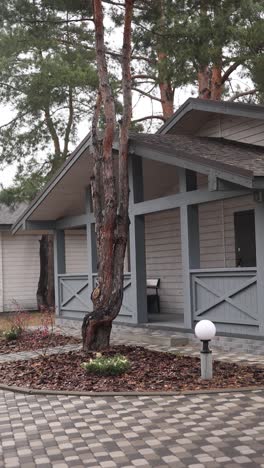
(245, 243)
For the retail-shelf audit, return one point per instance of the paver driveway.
(223, 429)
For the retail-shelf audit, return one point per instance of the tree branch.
(17, 117)
(229, 71)
(69, 124)
(47, 21)
(243, 93)
(148, 77)
(149, 117)
(53, 133)
(146, 94)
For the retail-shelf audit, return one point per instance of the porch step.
(177, 340)
(156, 339)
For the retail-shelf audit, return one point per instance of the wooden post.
(59, 264)
(138, 268)
(190, 249)
(259, 231)
(137, 243)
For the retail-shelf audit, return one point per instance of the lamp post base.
(206, 365)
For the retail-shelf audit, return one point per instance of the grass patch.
(103, 365)
(34, 320)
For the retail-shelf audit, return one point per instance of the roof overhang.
(196, 112)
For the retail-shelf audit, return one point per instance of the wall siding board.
(234, 128)
(216, 228)
(20, 270)
(163, 258)
(76, 251)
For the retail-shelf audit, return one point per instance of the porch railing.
(74, 294)
(127, 305)
(228, 297)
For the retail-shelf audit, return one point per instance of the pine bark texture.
(45, 291)
(110, 198)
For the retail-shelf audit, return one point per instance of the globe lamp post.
(205, 331)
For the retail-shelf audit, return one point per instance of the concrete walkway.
(195, 431)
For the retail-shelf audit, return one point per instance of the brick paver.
(196, 431)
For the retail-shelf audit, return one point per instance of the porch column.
(59, 264)
(259, 232)
(190, 249)
(137, 243)
(91, 247)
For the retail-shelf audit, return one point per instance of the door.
(245, 243)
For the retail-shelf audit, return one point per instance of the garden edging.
(32, 391)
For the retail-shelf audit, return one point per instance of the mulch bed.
(30, 341)
(150, 371)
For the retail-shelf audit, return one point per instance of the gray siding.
(20, 270)
(163, 257)
(235, 128)
(216, 229)
(159, 179)
(76, 251)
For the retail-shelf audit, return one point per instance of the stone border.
(32, 391)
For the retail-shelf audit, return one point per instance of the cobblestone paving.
(196, 431)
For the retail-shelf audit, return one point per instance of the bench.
(153, 300)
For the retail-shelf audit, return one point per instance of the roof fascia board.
(216, 107)
(53, 182)
(202, 167)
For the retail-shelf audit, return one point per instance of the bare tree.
(110, 191)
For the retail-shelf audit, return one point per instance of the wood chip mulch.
(30, 341)
(150, 371)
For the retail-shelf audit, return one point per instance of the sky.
(142, 106)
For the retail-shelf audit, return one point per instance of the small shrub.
(103, 365)
(12, 334)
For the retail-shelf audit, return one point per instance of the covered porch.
(182, 231)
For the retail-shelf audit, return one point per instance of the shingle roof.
(8, 214)
(234, 156)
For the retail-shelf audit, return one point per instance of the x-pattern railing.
(74, 292)
(228, 297)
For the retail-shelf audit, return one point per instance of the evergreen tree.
(48, 77)
(196, 42)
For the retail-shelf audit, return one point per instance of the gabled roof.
(195, 112)
(240, 163)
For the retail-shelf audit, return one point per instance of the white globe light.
(205, 330)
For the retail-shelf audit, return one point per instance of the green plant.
(12, 333)
(103, 365)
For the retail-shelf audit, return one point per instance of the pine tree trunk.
(167, 99)
(110, 202)
(204, 82)
(45, 291)
(216, 83)
(43, 275)
(50, 281)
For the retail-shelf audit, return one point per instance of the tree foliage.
(48, 77)
(203, 43)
